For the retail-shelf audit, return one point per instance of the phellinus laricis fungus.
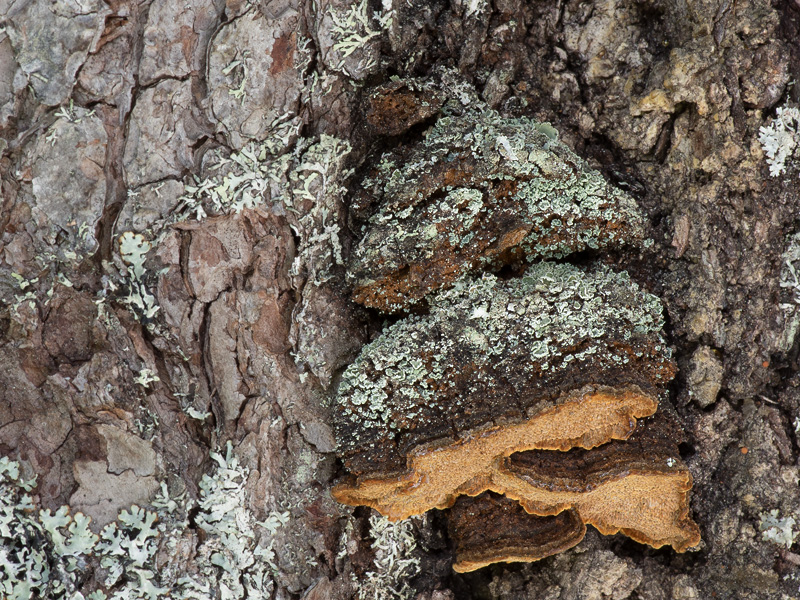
(521, 402)
(557, 359)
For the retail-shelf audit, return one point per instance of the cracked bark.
(665, 98)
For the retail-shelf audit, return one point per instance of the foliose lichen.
(133, 249)
(256, 176)
(46, 555)
(776, 530)
(780, 138)
(306, 184)
(354, 28)
(395, 560)
(790, 281)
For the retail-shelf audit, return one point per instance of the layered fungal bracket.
(478, 192)
(638, 487)
(525, 405)
(561, 357)
(490, 528)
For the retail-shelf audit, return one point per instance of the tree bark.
(178, 206)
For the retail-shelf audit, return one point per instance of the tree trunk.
(180, 199)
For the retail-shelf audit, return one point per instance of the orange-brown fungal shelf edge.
(442, 470)
(650, 508)
(639, 487)
(490, 529)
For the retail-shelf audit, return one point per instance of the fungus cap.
(488, 529)
(559, 358)
(480, 191)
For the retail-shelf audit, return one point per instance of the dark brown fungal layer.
(490, 528)
(556, 359)
(395, 107)
(478, 192)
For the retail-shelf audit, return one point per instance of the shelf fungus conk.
(526, 405)
(557, 359)
(479, 192)
(638, 487)
(489, 529)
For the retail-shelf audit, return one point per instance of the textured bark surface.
(221, 138)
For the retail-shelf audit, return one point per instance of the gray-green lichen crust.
(478, 192)
(495, 351)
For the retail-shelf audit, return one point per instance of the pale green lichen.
(352, 31)
(146, 377)
(492, 322)
(395, 560)
(308, 183)
(36, 291)
(237, 70)
(319, 178)
(45, 555)
(69, 114)
(254, 177)
(133, 249)
(28, 296)
(790, 281)
(475, 7)
(298, 179)
(780, 138)
(29, 567)
(776, 530)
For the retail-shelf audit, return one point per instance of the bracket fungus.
(540, 387)
(559, 358)
(487, 529)
(477, 193)
(638, 487)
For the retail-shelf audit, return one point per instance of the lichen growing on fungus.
(528, 385)
(479, 192)
(556, 359)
